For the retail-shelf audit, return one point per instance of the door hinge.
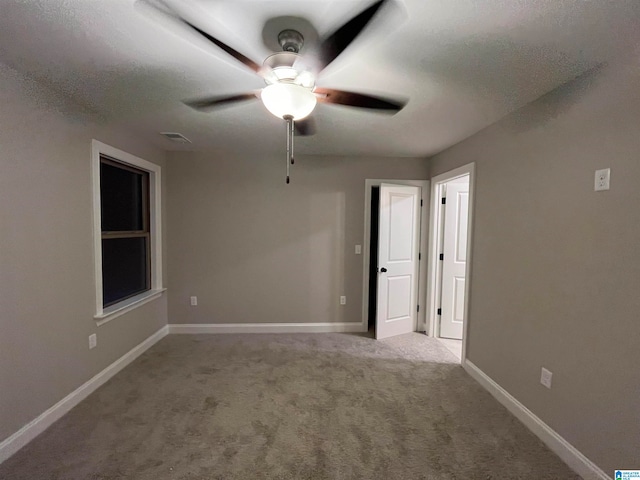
(442, 256)
(418, 308)
(439, 311)
(444, 200)
(419, 256)
(420, 202)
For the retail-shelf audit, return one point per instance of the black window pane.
(124, 268)
(121, 199)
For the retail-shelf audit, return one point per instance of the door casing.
(435, 233)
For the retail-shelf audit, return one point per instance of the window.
(124, 213)
(126, 229)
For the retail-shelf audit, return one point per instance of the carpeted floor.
(305, 406)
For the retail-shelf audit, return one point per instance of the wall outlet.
(602, 179)
(343, 300)
(93, 341)
(358, 249)
(545, 377)
(194, 301)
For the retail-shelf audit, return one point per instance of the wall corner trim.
(556, 443)
(328, 327)
(38, 425)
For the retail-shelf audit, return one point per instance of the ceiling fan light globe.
(306, 79)
(284, 99)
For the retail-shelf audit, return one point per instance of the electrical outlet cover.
(602, 179)
(545, 377)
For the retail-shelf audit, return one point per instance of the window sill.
(127, 305)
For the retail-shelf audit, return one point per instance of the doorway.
(450, 258)
(394, 256)
(373, 256)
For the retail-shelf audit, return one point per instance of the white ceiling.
(462, 64)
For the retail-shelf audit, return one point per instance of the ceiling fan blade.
(340, 97)
(339, 40)
(234, 53)
(204, 104)
(162, 8)
(305, 127)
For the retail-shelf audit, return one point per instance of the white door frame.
(422, 263)
(435, 233)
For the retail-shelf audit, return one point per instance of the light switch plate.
(358, 249)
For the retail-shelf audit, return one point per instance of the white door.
(399, 241)
(456, 220)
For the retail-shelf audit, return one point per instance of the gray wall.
(253, 249)
(47, 296)
(556, 268)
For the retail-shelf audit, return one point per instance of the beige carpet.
(307, 406)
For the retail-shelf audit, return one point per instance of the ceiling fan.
(291, 92)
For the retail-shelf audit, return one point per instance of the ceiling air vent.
(175, 137)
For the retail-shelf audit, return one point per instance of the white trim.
(34, 428)
(422, 270)
(552, 439)
(434, 234)
(127, 305)
(350, 327)
(155, 193)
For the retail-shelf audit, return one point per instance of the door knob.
(383, 269)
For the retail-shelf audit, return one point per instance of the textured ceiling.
(462, 64)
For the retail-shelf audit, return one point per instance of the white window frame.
(102, 314)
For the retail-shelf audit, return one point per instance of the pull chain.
(290, 131)
(293, 131)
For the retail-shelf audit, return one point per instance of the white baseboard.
(267, 327)
(567, 452)
(34, 428)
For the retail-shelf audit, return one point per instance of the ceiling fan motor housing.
(291, 41)
(286, 67)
